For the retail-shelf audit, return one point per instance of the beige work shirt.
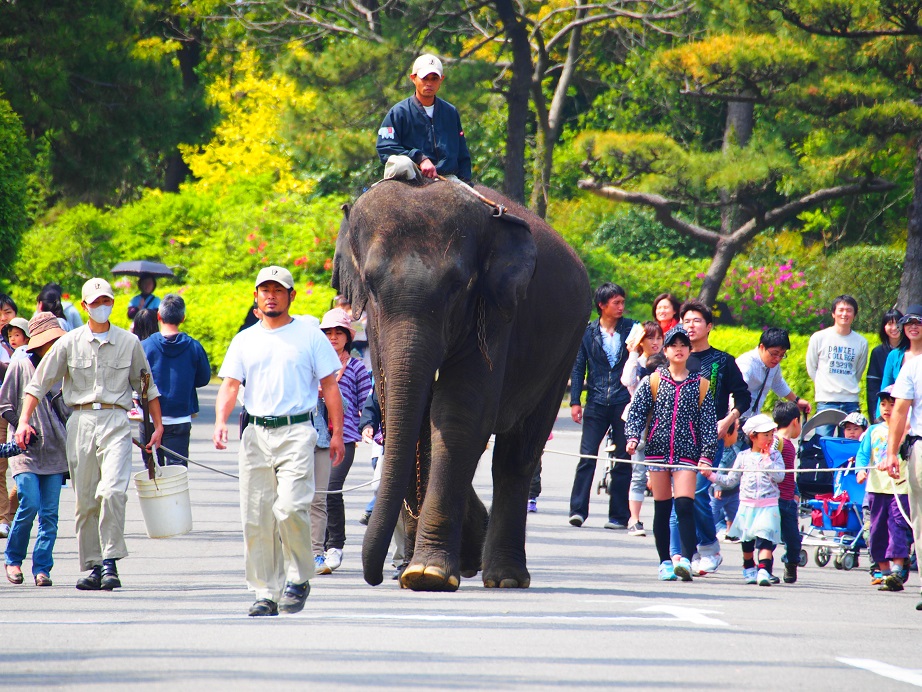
(93, 372)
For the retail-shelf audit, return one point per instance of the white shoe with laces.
(709, 563)
(333, 558)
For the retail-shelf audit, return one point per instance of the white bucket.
(165, 501)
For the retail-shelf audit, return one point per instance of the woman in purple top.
(354, 385)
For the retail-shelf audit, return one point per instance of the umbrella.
(142, 267)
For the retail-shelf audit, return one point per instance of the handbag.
(837, 517)
(320, 425)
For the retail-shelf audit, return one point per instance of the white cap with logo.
(278, 274)
(427, 64)
(94, 288)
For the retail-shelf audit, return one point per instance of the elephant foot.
(506, 577)
(468, 573)
(420, 577)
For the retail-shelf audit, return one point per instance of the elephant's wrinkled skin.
(439, 275)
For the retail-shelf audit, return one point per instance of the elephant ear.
(346, 274)
(509, 264)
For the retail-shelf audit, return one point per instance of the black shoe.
(293, 597)
(92, 581)
(892, 582)
(263, 607)
(363, 520)
(110, 578)
(790, 572)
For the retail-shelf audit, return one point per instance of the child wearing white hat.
(758, 471)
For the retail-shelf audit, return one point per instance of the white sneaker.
(765, 579)
(333, 558)
(750, 575)
(696, 564)
(709, 563)
(4, 530)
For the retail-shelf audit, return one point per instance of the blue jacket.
(408, 131)
(178, 366)
(603, 382)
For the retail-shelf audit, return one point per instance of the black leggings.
(685, 513)
(336, 510)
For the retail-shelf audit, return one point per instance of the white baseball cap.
(427, 64)
(278, 274)
(759, 424)
(94, 288)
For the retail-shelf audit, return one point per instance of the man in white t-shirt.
(836, 358)
(283, 361)
(907, 392)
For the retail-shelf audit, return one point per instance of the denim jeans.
(704, 519)
(790, 530)
(845, 406)
(597, 420)
(37, 495)
(724, 509)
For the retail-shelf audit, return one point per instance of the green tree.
(14, 173)
(800, 131)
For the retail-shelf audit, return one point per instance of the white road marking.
(911, 677)
(692, 616)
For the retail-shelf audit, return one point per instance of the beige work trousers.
(276, 489)
(99, 458)
(914, 467)
(323, 467)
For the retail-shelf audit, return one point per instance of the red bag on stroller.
(838, 517)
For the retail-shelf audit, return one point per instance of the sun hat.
(674, 333)
(44, 328)
(913, 312)
(759, 424)
(337, 317)
(427, 64)
(855, 418)
(18, 322)
(95, 288)
(279, 275)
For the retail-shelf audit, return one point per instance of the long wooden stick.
(148, 426)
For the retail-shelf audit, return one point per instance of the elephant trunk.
(409, 365)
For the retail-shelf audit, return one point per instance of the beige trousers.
(323, 467)
(276, 489)
(914, 467)
(99, 458)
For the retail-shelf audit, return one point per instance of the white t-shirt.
(836, 363)
(429, 110)
(282, 367)
(908, 385)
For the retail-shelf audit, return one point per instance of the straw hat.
(337, 317)
(43, 329)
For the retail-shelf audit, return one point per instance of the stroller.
(810, 454)
(835, 529)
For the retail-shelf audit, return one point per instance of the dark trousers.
(336, 510)
(175, 437)
(535, 489)
(790, 530)
(596, 422)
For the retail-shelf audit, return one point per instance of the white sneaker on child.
(765, 578)
(750, 575)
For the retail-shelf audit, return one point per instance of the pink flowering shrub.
(774, 296)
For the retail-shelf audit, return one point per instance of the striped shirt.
(354, 386)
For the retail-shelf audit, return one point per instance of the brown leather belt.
(95, 407)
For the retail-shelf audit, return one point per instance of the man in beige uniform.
(100, 365)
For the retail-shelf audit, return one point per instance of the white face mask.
(100, 314)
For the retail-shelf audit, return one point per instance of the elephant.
(474, 320)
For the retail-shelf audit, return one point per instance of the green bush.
(635, 231)
(773, 296)
(870, 274)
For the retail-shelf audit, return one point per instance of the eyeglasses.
(693, 320)
(777, 355)
(912, 321)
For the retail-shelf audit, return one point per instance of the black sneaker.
(892, 582)
(363, 520)
(636, 529)
(263, 607)
(92, 581)
(292, 600)
(110, 578)
(576, 520)
(790, 572)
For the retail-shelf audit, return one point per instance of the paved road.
(595, 616)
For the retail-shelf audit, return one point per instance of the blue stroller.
(836, 523)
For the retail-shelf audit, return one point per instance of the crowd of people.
(719, 469)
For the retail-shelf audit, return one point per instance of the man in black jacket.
(426, 128)
(603, 354)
